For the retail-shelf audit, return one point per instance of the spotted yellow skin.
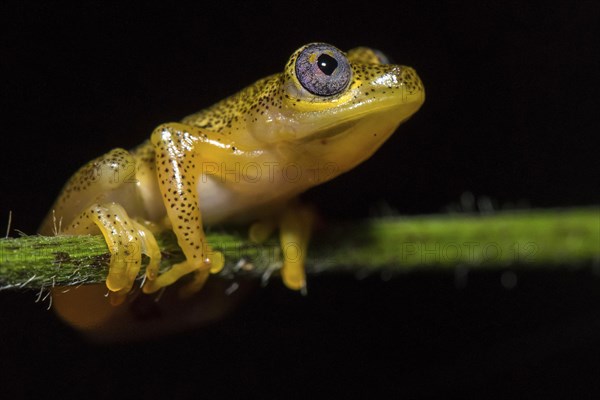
(242, 160)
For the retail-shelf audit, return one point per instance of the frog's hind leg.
(111, 173)
(126, 240)
(85, 207)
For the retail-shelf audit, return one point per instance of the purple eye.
(323, 70)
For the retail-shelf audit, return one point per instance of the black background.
(511, 113)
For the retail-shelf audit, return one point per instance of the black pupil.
(327, 64)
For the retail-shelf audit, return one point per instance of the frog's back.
(231, 115)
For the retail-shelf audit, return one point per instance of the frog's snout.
(399, 84)
(411, 83)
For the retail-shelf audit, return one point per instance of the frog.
(243, 160)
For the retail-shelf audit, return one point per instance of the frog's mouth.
(370, 120)
(335, 130)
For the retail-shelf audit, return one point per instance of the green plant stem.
(523, 239)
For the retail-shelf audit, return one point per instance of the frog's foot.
(295, 227)
(213, 263)
(261, 230)
(126, 240)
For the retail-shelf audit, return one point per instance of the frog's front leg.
(294, 233)
(180, 150)
(295, 226)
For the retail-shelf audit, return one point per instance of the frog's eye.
(323, 70)
(382, 58)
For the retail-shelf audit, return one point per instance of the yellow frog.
(243, 159)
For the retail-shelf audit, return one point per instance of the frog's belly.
(219, 203)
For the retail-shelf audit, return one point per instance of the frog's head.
(330, 102)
